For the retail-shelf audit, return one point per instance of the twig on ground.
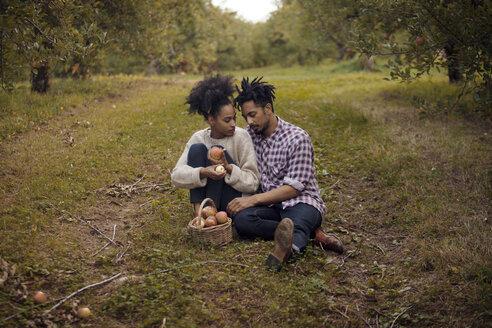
(90, 225)
(202, 263)
(115, 202)
(367, 323)
(342, 314)
(107, 244)
(333, 185)
(122, 253)
(81, 290)
(149, 186)
(399, 315)
(149, 201)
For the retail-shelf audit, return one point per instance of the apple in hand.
(208, 211)
(216, 152)
(210, 221)
(39, 297)
(221, 217)
(220, 169)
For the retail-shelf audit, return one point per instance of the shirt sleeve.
(244, 176)
(301, 165)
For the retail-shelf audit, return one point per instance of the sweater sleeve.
(185, 176)
(244, 176)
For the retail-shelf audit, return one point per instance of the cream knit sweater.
(244, 176)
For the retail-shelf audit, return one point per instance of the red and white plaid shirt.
(286, 157)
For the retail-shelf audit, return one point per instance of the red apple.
(220, 169)
(208, 211)
(221, 217)
(211, 221)
(83, 312)
(348, 50)
(216, 152)
(386, 36)
(420, 41)
(39, 297)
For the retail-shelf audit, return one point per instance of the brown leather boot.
(284, 235)
(328, 241)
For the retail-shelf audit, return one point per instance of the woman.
(196, 169)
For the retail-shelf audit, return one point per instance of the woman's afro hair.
(209, 95)
(260, 92)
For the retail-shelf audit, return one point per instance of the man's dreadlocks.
(260, 92)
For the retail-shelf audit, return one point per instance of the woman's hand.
(210, 172)
(221, 161)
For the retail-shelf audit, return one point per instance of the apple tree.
(34, 34)
(419, 35)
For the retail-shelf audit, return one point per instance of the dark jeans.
(219, 191)
(261, 221)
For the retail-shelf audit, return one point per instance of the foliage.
(35, 34)
(451, 34)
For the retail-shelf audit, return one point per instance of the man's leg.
(266, 222)
(306, 219)
(258, 221)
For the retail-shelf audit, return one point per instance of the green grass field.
(409, 194)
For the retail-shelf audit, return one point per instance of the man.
(289, 208)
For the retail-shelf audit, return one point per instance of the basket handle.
(202, 205)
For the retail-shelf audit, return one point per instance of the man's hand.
(209, 172)
(240, 203)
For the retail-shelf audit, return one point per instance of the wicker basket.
(219, 235)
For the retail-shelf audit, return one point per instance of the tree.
(34, 34)
(331, 21)
(424, 34)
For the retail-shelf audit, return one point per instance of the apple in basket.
(208, 211)
(221, 217)
(211, 221)
(199, 222)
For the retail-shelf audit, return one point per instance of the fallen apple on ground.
(83, 312)
(221, 217)
(39, 297)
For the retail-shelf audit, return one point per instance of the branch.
(81, 290)
(39, 30)
(107, 244)
(94, 228)
(399, 315)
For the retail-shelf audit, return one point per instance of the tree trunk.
(341, 52)
(454, 73)
(40, 77)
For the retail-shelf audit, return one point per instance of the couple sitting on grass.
(270, 153)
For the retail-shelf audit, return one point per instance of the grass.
(409, 196)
